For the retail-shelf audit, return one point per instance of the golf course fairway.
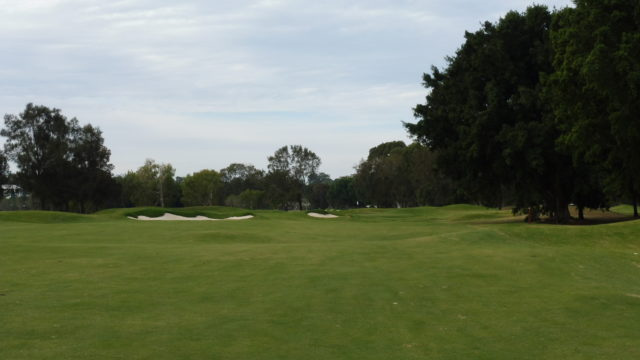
(457, 282)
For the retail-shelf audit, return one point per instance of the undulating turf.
(458, 282)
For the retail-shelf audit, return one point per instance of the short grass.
(458, 282)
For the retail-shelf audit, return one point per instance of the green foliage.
(398, 175)
(281, 190)
(251, 199)
(59, 162)
(201, 188)
(595, 88)
(152, 184)
(486, 116)
(4, 173)
(297, 163)
(341, 194)
(385, 149)
(239, 177)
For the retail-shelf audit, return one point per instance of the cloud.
(173, 80)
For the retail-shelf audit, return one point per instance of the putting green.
(458, 282)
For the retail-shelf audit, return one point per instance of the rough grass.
(458, 282)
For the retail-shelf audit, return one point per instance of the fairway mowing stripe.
(634, 295)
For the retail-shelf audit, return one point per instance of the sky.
(202, 84)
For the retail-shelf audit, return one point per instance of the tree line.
(66, 166)
(538, 110)
(543, 104)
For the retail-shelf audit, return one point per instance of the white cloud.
(232, 81)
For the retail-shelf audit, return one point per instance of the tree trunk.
(635, 206)
(161, 195)
(580, 212)
(562, 214)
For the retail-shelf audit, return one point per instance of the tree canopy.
(595, 89)
(486, 117)
(298, 164)
(201, 188)
(58, 160)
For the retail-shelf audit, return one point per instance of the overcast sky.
(202, 84)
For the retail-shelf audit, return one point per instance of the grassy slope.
(440, 283)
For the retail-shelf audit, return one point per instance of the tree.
(58, 161)
(279, 186)
(237, 178)
(38, 142)
(378, 178)
(4, 173)
(395, 174)
(167, 187)
(341, 194)
(90, 162)
(152, 184)
(595, 88)
(297, 162)
(318, 190)
(486, 117)
(251, 199)
(202, 188)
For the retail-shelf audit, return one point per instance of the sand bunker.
(322, 216)
(173, 217)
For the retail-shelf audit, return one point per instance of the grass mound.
(214, 212)
(44, 217)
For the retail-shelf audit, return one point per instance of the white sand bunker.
(322, 216)
(173, 217)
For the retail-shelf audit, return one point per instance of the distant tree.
(251, 199)
(4, 173)
(237, 178)
(299, 163)
(146, 184)
(341, 194)
(318, 190)
(385, 149)
(319, 178)
(280, 189)
(168, 191)
(152, 184)
(92, 180)
(383, 178)
(201, 188)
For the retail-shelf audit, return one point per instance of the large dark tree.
(38, 141)
(58, 161)
(92, 178)
(596, 88)
(486, 117)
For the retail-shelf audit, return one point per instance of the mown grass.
(458, 282)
